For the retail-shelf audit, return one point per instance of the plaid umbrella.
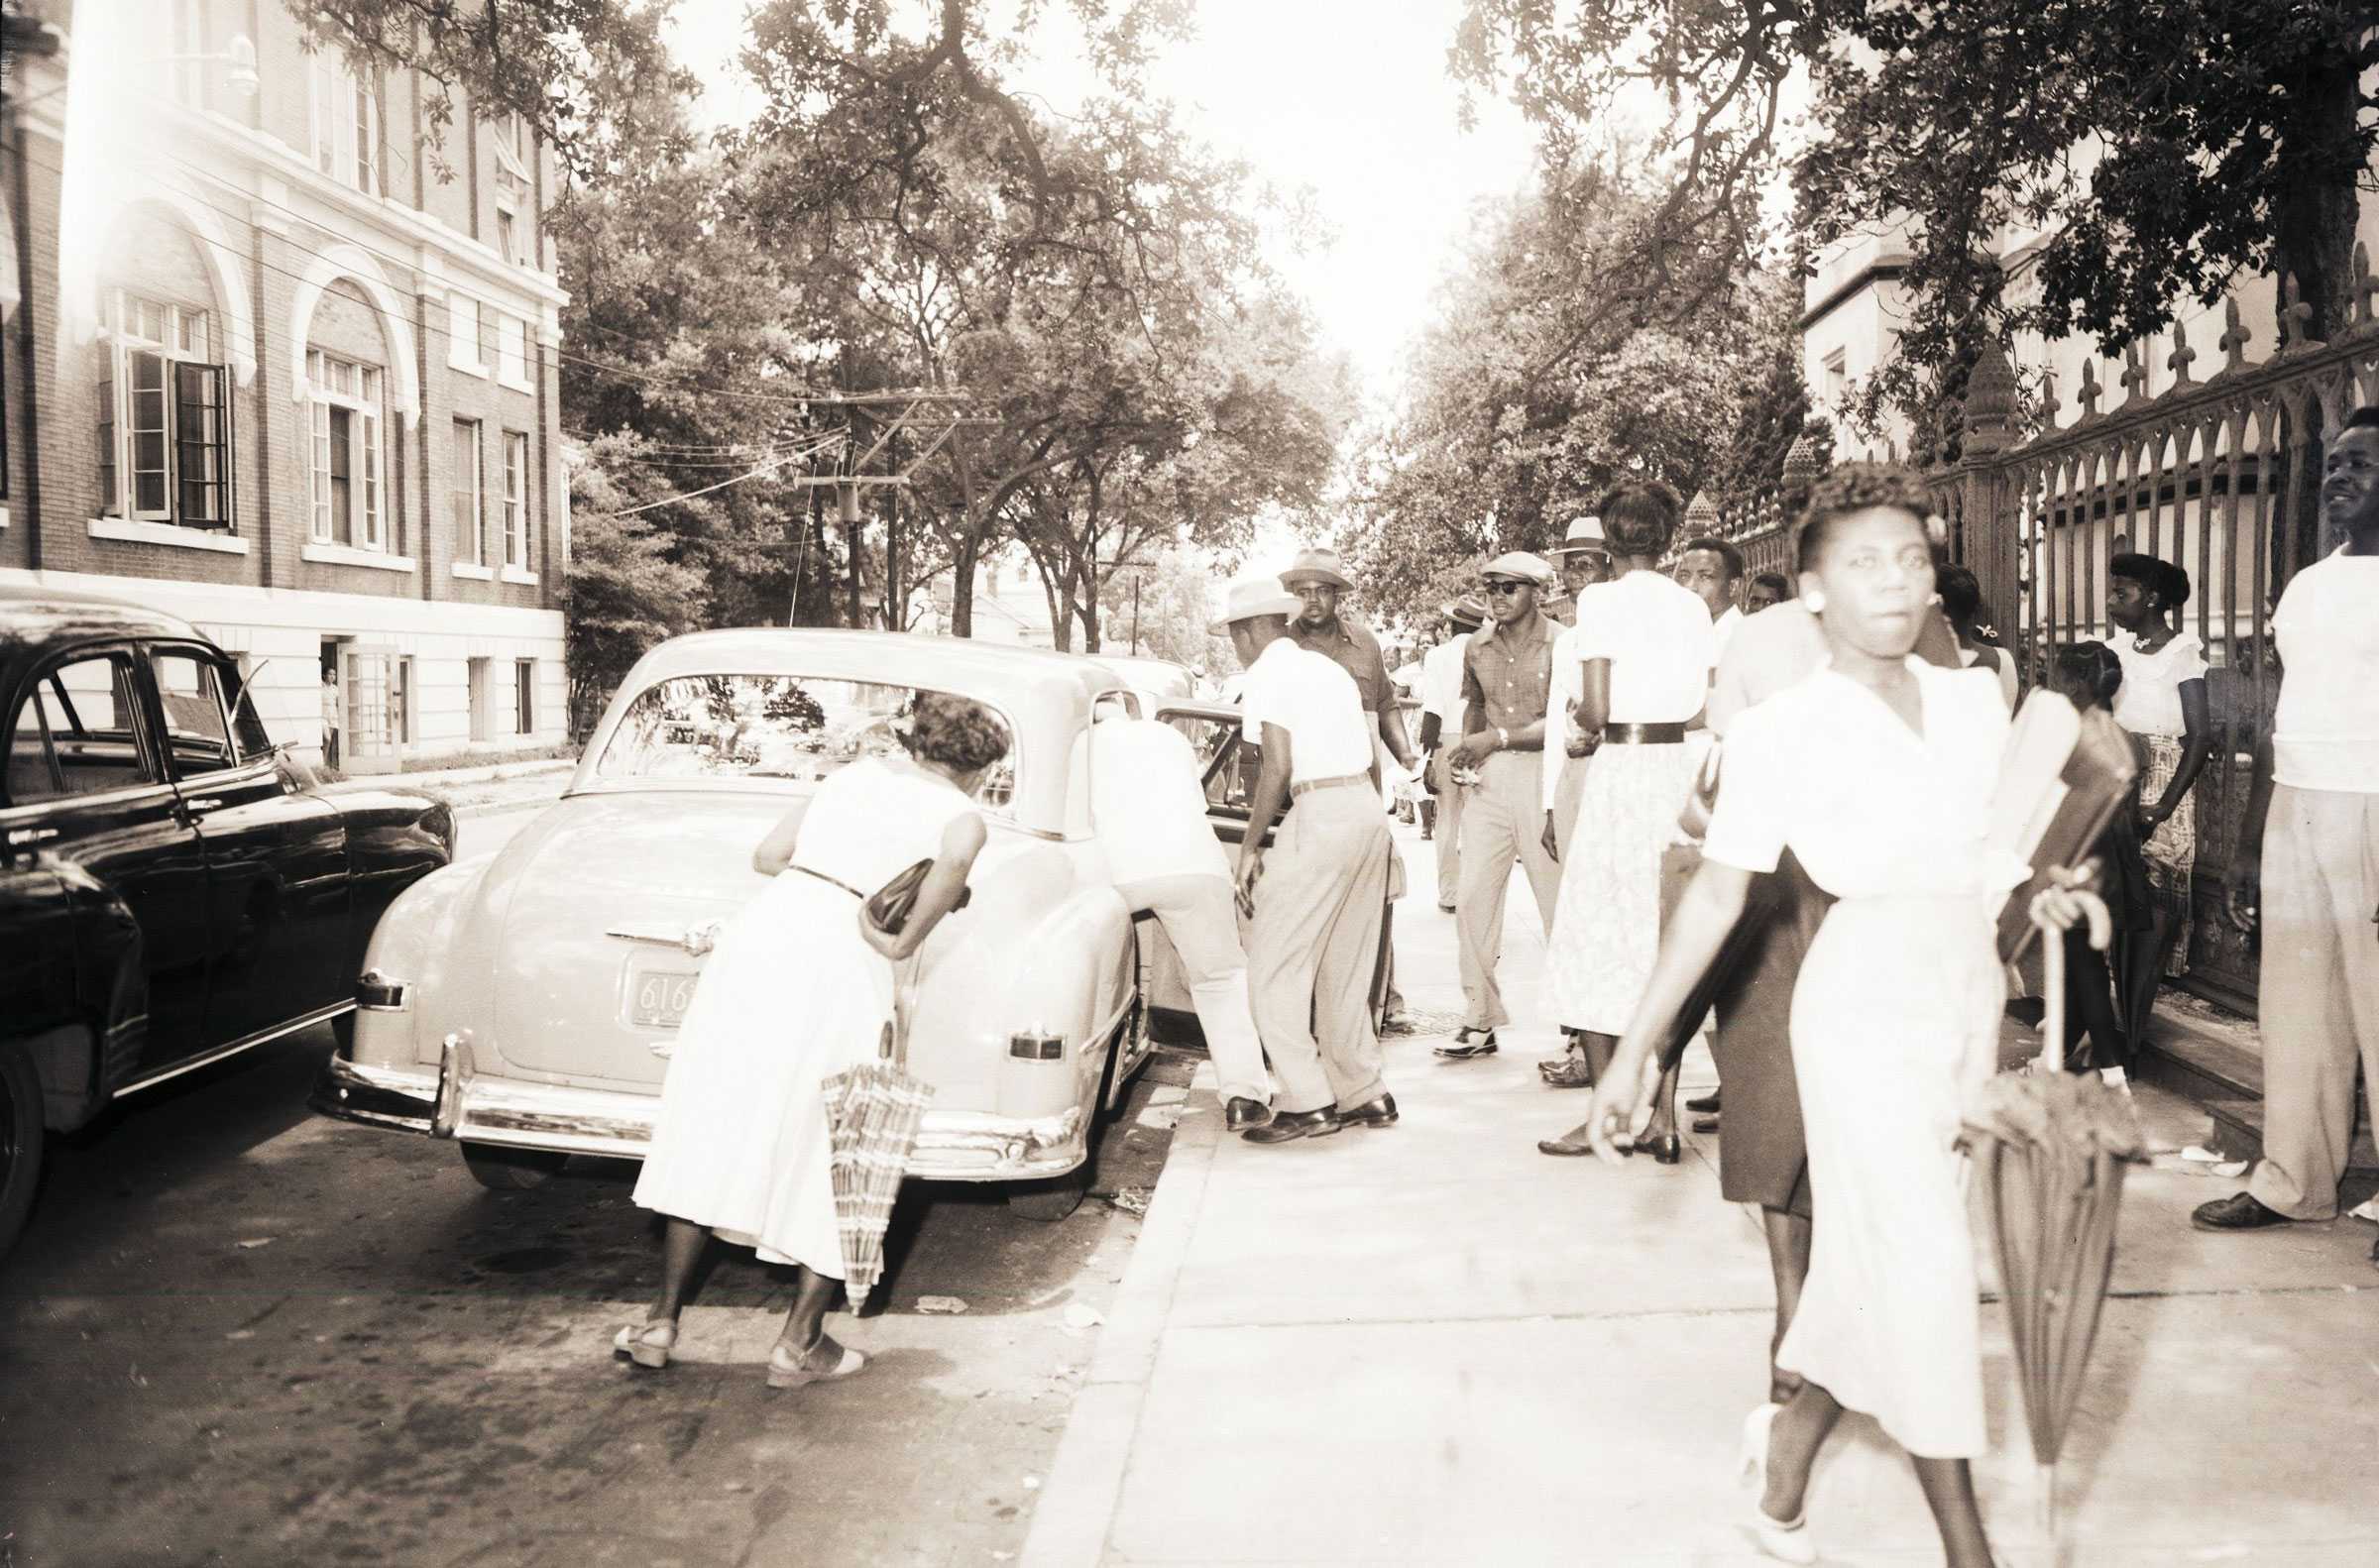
(2051, 1148)
(871, 1117)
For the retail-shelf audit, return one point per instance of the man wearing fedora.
(1318, 581)
(1507, 678)
(1441, 720)
(1315, 898)
(1584, 560)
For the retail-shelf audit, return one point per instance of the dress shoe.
(1445, 906)
(2238, 1211)
(1243, 1113)
(1468, 1044)
(1378, 1111)
(1705, 1124)
(1286, 1126)
(1397, 1026)
(1707, 1104)
(1786, 1541)
(1664, 1150)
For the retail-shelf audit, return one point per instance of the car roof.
(35, 616)
(900, 658)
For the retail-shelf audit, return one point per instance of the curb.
(1078, 1495)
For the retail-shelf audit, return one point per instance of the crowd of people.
(1743, 805)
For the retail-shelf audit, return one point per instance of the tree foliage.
(2160, 151)
(624, 593)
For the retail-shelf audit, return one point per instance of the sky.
(1348, 100)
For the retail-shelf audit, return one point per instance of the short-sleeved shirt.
(1441, 683)
(1148, 805)
(1354, 649)
(1658, 636)
(1509, 672)
(2326, 729)
(1868, 807)
(1316, 700)
(1721, 633)
(2148, 703)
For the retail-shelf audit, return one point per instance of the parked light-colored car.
(523, 1004)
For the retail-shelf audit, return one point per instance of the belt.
(830, 881)
(1643, 734)
(1340, 782)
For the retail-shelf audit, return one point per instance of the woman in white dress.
(1876, 773)
(799, 986)
(1645, 646)
(2162, 701)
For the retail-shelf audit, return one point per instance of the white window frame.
(509, 133)
(516, 501)
(345, 123)
(508, 216)
(183, 335)
(185, 78)
(512, 353)
(462, 335)
(473, 484)
(367, 450)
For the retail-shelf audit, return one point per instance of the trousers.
(1200, 914)
(1565, 803)
(1502, 822)
(1449, 826)
(1313, 948)
(2319, 987)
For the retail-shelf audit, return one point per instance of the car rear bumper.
(454, 1100)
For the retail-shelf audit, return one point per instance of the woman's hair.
(955, 732)
(1852, 488)
(1639, 517)
(2168, 583)
(2091, 669)
(1961, 595)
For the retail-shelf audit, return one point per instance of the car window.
(769, 726)
(189, 692)
(1228, 768)
(73, 733)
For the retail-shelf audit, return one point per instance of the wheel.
(1053, 1200)
(504, 1169)
(20, 1136)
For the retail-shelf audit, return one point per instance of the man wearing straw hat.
(1314, 900)
(1440, 722)
(1507, 678)
(1317, 579)
(1584, 559)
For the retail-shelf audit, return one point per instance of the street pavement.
(239, 1333)
(1432, 1345)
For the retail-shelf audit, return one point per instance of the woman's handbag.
(889, 907)
(2063, 776)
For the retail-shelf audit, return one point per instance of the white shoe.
(1786, 1540)
(2115, 1079)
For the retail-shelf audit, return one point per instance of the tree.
(1168, 597)
(2229, 138)
(624, 593)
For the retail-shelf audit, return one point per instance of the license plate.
(658, 998)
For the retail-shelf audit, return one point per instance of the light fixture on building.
(239, 65)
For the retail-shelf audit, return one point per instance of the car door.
(1227, 764)
(86, 784)
(275, 856)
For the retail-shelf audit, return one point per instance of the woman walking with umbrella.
(1876, 773)
(742, 1149)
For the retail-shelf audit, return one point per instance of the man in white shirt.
(1713, 568)
(1584, 560)
(2309, 845)
(1440, 722)
(1148, 809)
(1317, 898)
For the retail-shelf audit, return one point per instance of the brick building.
(285, 369)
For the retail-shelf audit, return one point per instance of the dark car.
(174, 888)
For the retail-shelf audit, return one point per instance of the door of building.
(375, 704)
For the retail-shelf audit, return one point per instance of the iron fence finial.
(2182, 357)
(2235, 337)
(2090, 394)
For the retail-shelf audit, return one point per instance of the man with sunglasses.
(1506, 677)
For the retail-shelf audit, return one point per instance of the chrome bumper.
(454, 1100)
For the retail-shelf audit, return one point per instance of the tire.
(21, 1140)
(503, 1170)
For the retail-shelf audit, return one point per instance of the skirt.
(2171, 851)
(1763, 1156)
(1607, 925)
(1896, 998)
(791, 995)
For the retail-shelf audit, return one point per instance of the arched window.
(349, 447)
(164, 413)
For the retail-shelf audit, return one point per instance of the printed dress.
(2149, 706)
(1896, 1013)
(791, 995)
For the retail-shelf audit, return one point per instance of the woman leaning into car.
(740, 1149)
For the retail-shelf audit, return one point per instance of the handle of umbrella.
(2052, 958)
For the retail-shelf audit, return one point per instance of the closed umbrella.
(871, 1117)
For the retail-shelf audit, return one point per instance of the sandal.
(791, 1369)
(1570, 1072)
(647, 1344)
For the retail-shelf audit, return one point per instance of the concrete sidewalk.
(1432, 1344)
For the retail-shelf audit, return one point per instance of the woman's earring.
(1815, 598)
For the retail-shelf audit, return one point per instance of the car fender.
(413, 947)
(80, 1056)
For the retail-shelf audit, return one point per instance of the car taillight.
(1036, 1048)
(375, 992)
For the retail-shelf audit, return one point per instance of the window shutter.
(109, 504)
(201, 446)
